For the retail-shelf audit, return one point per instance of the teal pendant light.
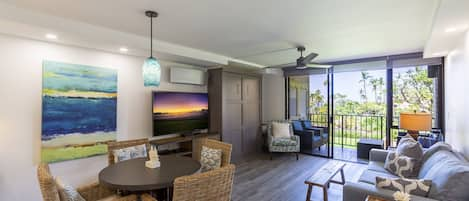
(151, 68)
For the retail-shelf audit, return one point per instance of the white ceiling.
(451, 15)
(336, 29)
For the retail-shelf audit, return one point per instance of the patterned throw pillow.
(402, 166)
(210, 159)
(67, 192)
(410, 186)
(139, 151)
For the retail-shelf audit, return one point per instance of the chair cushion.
(284, 141)
(281, 130)
(67, 192)
(139, 151)
(210, 159)
(449, 174)
(400, 165)
(410, 186)
(369, 176)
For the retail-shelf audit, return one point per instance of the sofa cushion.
(410, 186)
(400, 165)
(369, 176)
(377, 166)
(284, 141)
(449, 174)
(433, 149)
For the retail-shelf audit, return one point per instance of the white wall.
(457, 96)
(273, 97)
(20, 111)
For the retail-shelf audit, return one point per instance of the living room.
(294, 100)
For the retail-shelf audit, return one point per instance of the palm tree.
(364, 80)
(374, 84)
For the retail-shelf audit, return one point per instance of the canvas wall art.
(79, 109)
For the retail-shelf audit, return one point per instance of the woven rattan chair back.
(47, 183)
(215, 185)
(111, 146)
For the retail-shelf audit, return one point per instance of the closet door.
(232, 113)
(251, 115)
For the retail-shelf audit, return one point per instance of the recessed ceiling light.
(51, 36)
(123, 49)
(456, 29)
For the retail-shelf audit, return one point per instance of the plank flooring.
(282, 179)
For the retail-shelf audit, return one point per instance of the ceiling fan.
(303, 62)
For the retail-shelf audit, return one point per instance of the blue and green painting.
(78, 110)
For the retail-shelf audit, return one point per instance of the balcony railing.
(349, 128)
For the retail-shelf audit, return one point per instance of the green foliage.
(413, 91)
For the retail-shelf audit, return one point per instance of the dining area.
(206, 175)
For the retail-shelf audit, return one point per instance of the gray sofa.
(448, 171)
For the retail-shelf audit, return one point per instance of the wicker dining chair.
(215, 144)
(214, 185)
(111, 146)
(91, 192)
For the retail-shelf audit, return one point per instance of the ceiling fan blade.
(307, 59)
(317, 65)
(282, 65)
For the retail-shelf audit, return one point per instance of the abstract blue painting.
(79, 109)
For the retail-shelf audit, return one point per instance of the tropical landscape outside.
(360, 102)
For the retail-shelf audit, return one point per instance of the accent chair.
(283, 144)
(214, 185)
(91, 192)
(310, 139)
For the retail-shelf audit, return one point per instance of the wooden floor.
(282, 179)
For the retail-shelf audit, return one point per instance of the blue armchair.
(323, 131)
(310, 139)
(283, 144)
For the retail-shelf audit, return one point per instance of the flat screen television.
(179, 112)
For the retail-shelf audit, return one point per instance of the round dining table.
(133, 176)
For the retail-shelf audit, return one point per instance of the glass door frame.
(330, 105)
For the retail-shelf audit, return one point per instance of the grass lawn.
(69, 153)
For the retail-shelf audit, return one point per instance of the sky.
(345, 83)
(173, 102)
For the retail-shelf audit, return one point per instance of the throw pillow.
(410, 186)
(210, 159)
(67, 192)
(139, 151)
(402, 166)
(281, 130)
(409, 147)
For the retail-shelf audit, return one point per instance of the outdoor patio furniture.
(324, 131)
(309, 139)
(364, 145)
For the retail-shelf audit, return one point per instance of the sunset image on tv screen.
(175, 112)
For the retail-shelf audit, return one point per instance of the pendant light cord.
(151, 37)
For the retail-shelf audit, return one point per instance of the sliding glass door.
(362, 99)
(310, 103)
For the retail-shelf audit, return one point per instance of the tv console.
(186, 144)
